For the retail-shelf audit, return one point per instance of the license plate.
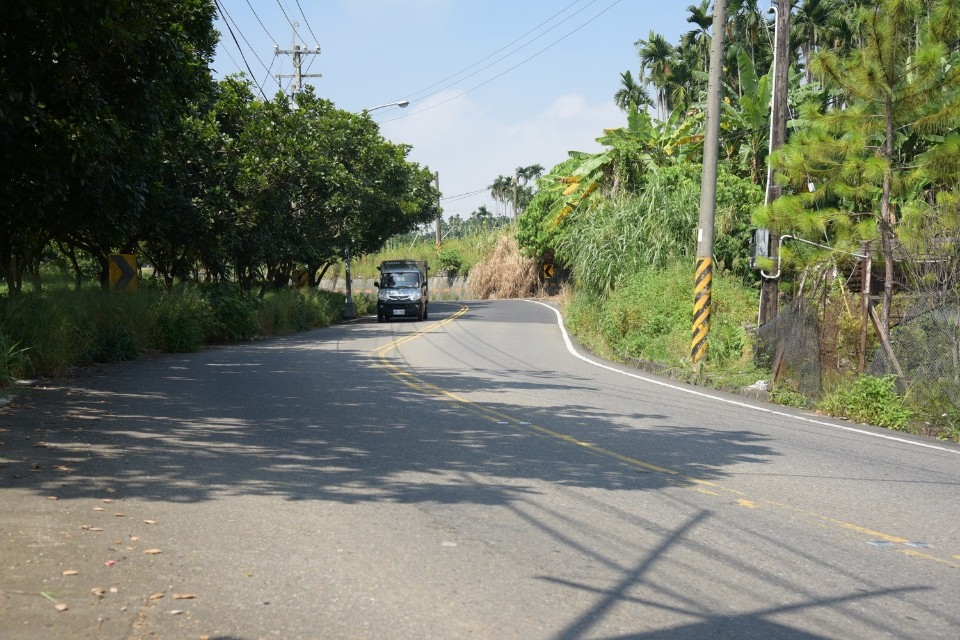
(398, 312)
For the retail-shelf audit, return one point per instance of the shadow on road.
(302, 419)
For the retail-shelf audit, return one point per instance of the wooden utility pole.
(708, 189)
(770, 287)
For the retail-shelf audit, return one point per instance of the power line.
(307, 22)
(254, 11)
(227, 21)
(287, 18)
(506, 46)
(461, 196)
(506, 71)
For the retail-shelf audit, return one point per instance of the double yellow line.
(676, 478)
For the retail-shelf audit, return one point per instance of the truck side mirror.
(376, 283)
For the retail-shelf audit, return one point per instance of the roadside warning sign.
(123, 272)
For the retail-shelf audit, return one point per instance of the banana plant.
(642, 146)
(746, 124)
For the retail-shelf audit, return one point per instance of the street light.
(349, 310)
(776, 27)
(398, 103)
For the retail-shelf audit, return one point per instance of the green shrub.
(184, 319)
(281, 312)
(234, 313)
(449, 262)
(650, 317)
(288, 311)
(788, 397)
(870, 400)
(365, 304)
(14, 361)
(937, 404)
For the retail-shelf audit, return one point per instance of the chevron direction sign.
(123, 272)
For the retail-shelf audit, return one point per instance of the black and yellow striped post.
(701, 308)
(703, 283)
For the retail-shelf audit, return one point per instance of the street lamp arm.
(398, 103)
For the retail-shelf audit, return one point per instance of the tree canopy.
(116, 138)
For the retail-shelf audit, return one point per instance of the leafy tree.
(877, 157)
(90, 89)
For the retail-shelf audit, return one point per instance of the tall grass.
(469, 250)
(504, 272)
(50, 333)
(615, 239)
(649, 318)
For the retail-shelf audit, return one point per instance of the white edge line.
(782, 414)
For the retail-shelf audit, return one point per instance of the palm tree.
(810, 25)
(502, 190)
(656, 55)
(682, 87)
(699, 38)
(745, 24)
(631, 93)
(526, 174)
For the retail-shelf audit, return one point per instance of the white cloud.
(470, 148)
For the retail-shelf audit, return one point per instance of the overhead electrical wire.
(227, 21)
(292, 23)
(461, 196)
(262, 26)
(413, 95)
(307, 22)
(508, 70)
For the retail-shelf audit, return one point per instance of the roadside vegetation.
(865, 198)
(55, 332)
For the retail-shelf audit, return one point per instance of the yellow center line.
(698, 484)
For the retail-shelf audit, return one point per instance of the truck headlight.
(416, 295)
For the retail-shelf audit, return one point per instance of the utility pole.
(297, 52)
(516, 179)
(703, 282)
(436, 176)
(770, 287)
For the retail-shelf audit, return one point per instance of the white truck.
(402, 290)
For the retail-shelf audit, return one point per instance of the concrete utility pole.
(439, 210)
(770, 287)
(297, 52)
(703, 282)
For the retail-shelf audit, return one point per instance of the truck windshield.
(401, 280)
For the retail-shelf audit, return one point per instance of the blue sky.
(492, 84)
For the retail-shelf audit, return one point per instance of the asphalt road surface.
(471, 476)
